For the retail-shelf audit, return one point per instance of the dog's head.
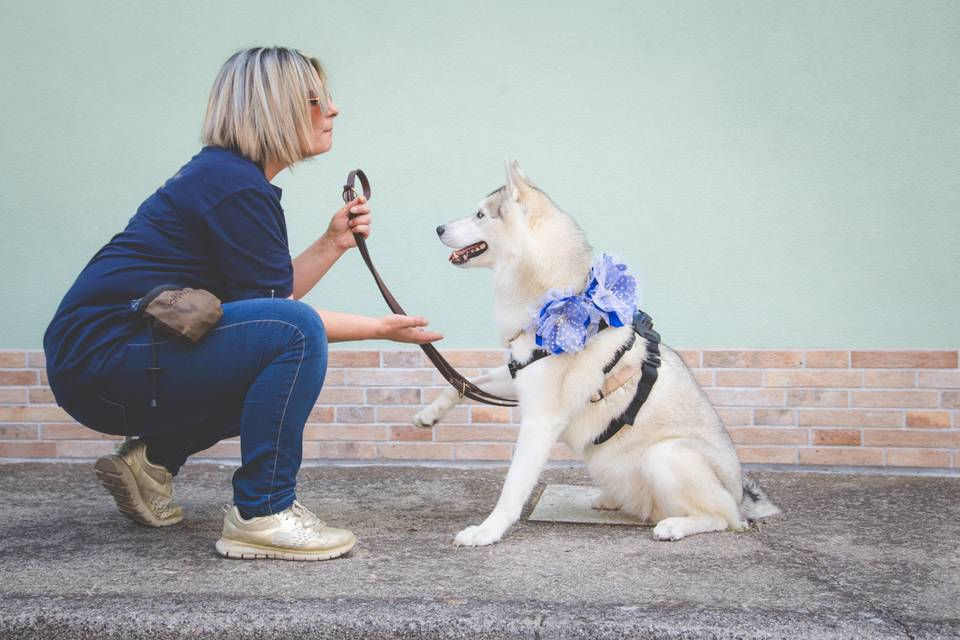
(499, 226)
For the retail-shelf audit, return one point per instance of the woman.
(217, 224)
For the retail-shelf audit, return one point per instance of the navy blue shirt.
(216, 225)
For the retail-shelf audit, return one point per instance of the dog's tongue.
(462, 255)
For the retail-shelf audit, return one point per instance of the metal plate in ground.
(571, 503)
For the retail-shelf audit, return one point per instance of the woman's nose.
(332, 110)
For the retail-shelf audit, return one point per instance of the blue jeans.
(257, 374)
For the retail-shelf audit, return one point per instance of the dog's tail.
(756, 504)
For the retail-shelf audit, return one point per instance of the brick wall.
(882, 408)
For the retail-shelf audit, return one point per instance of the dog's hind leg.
(497, 381)
(537, 436)
(687, 494)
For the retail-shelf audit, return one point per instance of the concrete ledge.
(853, 556)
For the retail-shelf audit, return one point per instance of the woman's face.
(321, 139)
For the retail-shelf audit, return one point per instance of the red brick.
(912, 438)
(904, 359)
(746, 397)
(321, 414)
(13, 395)
(87, 448)
(837, 437)
(704, 377)
(34, 414)
(849, 418)
(28, 449)
(42, 395)
(817, 398)
(734, 416)
(408, 432)
(405, 359)
(18, 431)
(43, 377)
(939, 379)
(483, 451)
(355, 415)
(350, 359)
(15, 377)
(335, 378)
(341, 395)
(928, 419)
(754, 435)
(739, 378)
(690, 358)
(390, 377)
(490, 414)
(393, 396)
(457, 432)
(416, 451)
(341, 451)
(476, 358)
(889, 378)
(768, 455)
(828, 359)
(950, 400)
(913, 398)
(227, 450)
(839, 455)
(344, 432)
(813, 378)
(917, 458)
(753, 359)
(13, 359)
(37, 360)
(72, 431)
(779, 417)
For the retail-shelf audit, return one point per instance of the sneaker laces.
(310, 519)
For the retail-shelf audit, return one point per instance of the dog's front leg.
(537, 436)
(497, 381)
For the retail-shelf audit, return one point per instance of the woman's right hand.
(400, 328)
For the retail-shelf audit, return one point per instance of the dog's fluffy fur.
(675, 466)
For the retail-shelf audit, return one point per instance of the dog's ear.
(517, 181)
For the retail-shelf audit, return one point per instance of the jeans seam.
(283, 414)
(226, 326)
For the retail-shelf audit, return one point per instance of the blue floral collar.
(563, 321)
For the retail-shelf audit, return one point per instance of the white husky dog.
(675, 465)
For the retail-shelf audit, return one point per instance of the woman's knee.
(307, 328)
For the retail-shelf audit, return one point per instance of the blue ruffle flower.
(564, 321)
(612, 290)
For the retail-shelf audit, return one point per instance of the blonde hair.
(259, 104)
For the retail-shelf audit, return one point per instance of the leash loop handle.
(463, 386)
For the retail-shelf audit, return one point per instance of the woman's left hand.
(343, 225)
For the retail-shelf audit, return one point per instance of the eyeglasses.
(318, 102)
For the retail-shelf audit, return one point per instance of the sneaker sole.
(246, 551)
(117, 478)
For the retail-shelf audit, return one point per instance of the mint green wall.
(781, 174)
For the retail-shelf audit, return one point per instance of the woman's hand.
(343, 225)
(401, 328)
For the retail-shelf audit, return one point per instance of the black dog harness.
(643, 326)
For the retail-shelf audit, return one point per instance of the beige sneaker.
(142, 490)
(292, 534)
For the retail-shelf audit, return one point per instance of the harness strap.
(643, 325)
(515, 366)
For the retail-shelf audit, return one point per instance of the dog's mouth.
(464, 255)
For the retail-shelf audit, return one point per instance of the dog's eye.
(479, 214)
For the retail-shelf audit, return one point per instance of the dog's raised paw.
(669, 529)
(426, 417)
(476, 536)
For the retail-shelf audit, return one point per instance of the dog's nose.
(440, 230)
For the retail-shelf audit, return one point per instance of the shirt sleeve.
(249, 236)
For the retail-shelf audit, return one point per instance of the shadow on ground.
(851, 557)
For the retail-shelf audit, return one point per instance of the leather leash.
(463, 386)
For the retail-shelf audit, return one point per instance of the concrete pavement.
(853, 556)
